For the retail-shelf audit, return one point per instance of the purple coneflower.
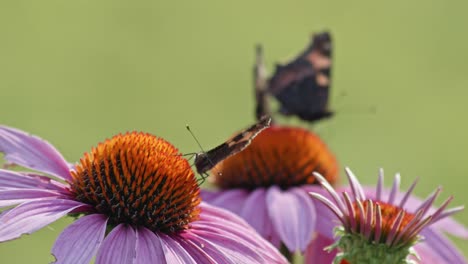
(267, 184)
(374, 229)
(138, 200)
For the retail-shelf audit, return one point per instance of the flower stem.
(287, 254)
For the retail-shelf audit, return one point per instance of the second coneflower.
(385, 227)
(267, 184)
(136, 198)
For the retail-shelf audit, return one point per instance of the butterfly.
(205, 161)
(302, 86)
(260, 84)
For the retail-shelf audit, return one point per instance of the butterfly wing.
(206, 161)
(302, 86)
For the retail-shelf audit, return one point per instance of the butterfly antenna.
(196, 140)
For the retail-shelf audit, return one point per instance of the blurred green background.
(77, 72)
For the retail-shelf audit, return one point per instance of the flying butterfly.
(302, 86)
(260, 84)
(205, 161)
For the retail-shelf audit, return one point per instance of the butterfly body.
(205, 161)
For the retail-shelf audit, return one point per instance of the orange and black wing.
(303, 85)
(206, 161)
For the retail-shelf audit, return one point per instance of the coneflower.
(136, 198)
(392, 230)
(268, 183)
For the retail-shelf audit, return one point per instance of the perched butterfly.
(302, 85)
(205, 161)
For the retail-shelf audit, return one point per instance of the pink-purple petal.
(331, 191)
(448, 225)
(224, 249)
(332, 206)
(32, 152)
(316, 253)
(20, 180)
(12, 197)
(293, 216)
(427, 255)
(119, 247)
(79, 242)
(395, 189)
(232, 200)
(174, 252)
(148, 247)
(32, 216)
(408, 193)
(379, 187)
(356, 187)
(216, 220)
(255, 212)
(219, 221)
(210, 212)
(441, 246)
(326, 220)
(196, 250)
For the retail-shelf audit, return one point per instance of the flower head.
(138, 200)
(384, 230)
(267, 184)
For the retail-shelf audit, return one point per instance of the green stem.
(286, 253)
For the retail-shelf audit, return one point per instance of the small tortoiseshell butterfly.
(302, 85)
(205, 161)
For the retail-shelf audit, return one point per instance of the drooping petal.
(32, 216)
(232, 200)
(119, 247)
(316, 253)
(441, 246)
(79, 242)
(210, 212)
(219, 221)
(452, 227)
(427, 256)
(293, 216)
(326, 220)
(196, 250)
(174, 252)
(148, 247)
(20, 180)
(12, 197)
(448, 225)
(32, 152)
(255, 212)
(224, 249)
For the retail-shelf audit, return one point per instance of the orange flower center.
(281, 156)
(138, 179)
(389, 217)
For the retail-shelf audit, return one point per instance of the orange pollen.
(389, 216)
(138, 179)
(281, 156)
